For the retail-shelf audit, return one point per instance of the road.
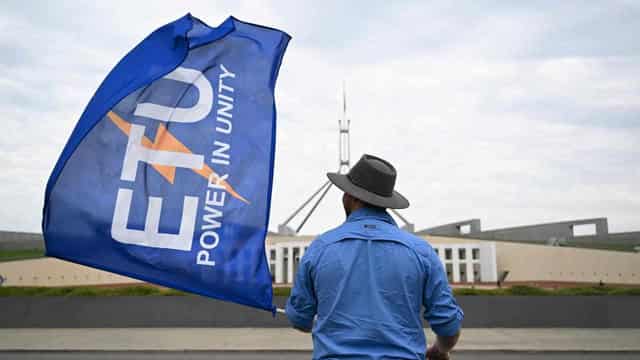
(283, 355)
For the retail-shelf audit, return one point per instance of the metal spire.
(344, 164)
(344, 139)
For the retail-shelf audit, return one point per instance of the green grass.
(10, 255)
(524, 290)
(146, 290)
(140, 290)
(281, 291)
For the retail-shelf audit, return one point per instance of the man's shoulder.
(342, 231)
(391, 232)
(420, 245)
(387, 232)
(322, 240)
(331, 235)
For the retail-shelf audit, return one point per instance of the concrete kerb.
(281, 339)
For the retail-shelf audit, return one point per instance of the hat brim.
(395, 201)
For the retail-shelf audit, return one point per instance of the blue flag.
(167, 176)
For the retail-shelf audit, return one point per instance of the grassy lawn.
(146, 290)
(523, 290)
(140, 290)
(10, 255)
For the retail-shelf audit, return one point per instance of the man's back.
(367, 281)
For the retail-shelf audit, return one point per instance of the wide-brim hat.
(371, 180)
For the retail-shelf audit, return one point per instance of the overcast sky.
(511, 113)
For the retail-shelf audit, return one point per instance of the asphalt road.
(242, 355)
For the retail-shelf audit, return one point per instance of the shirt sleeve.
(302, 304)
(441, 310)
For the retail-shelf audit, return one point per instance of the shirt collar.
(371, 213)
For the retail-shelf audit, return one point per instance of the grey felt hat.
(371, 180)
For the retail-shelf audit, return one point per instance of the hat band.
(356, 183)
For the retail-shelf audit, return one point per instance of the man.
(367, 280)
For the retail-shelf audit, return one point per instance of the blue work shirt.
(367, 281)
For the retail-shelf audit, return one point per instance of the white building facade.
(464, 263)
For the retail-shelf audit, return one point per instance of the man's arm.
(441, 310)
(446, 343)
(302, 305)
(441, 348)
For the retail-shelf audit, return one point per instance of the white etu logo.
(136, 152)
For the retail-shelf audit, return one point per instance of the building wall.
(564, 233)
(625, 240)
(454, 229)
(537, 262)
(561, 232)
(465, 262)
(526, 262)
(54, 272)
(468, 263)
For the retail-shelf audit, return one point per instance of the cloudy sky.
(512, 113)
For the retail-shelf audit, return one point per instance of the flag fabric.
(167, 175)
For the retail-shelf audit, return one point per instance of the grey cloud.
(561, 110)
(512, 112)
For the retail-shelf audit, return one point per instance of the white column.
(301, 254)
(441, 255)
(290, 265)
(279, 264)
(455, 264)
(488, 263)
(469, 261)
(267, 253)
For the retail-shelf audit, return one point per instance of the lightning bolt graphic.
(166, 141)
